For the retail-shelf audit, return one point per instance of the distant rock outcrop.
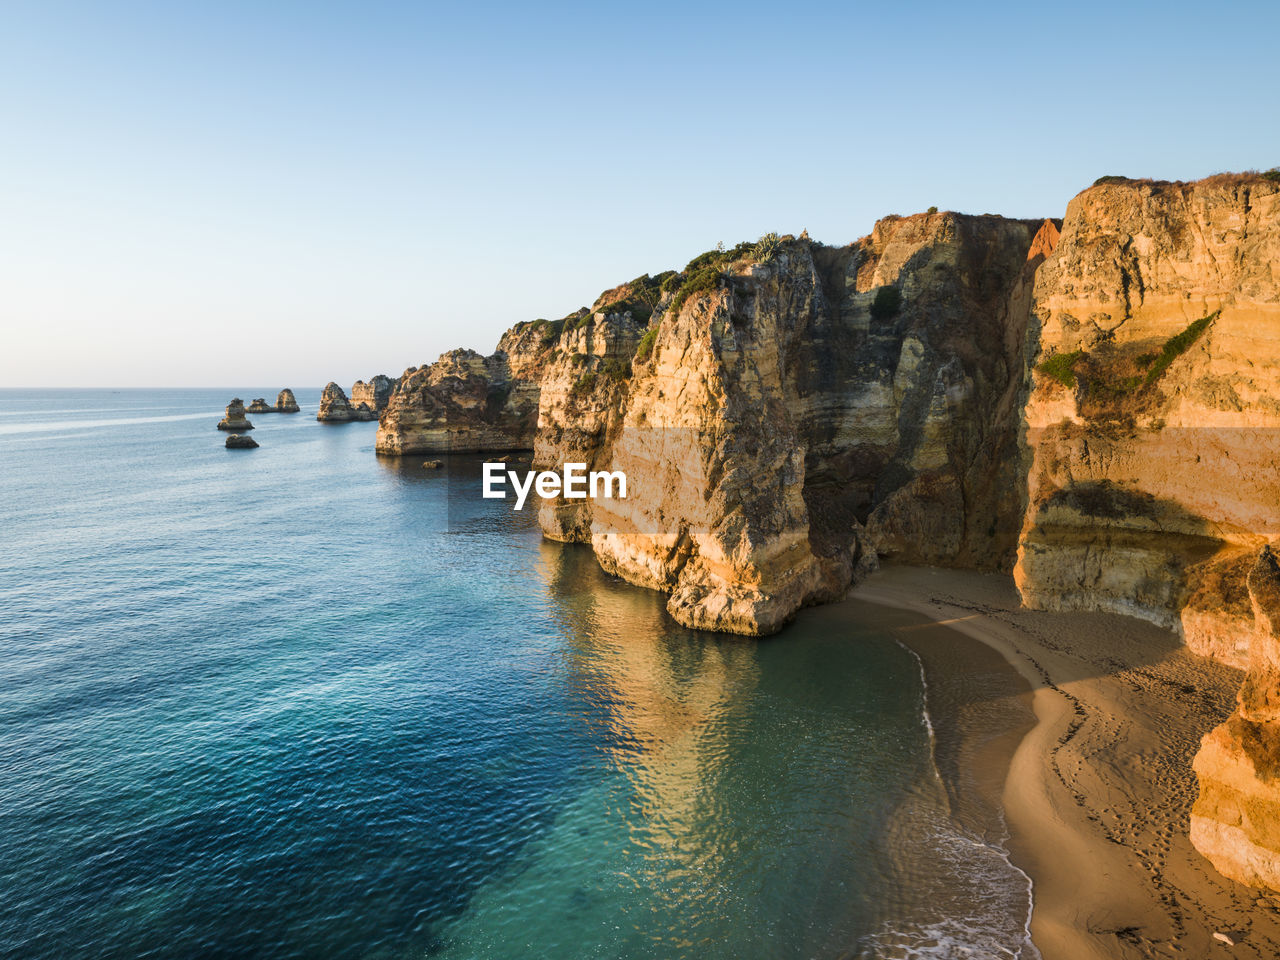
(235, 419)
(336, 408)
(239, 442)
(467, 403)
(286, 402)
(260, 406)
(375, 394)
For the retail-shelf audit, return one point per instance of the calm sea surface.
(301, 702)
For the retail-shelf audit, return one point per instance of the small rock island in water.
(235, 419)
(240, 442)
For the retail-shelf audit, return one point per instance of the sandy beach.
(1097, 794)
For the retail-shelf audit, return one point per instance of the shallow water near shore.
(301, 701)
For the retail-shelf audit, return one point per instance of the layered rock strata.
(375, 394)
(1091, 403)
(336, 408)
(260, 406)
(467, 403)
(235, 419)
(797, 409)
(1235, 822)
(286, 402)
(1153, 424)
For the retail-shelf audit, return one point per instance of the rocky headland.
(1088, 404)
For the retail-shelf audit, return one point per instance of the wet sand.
(1097, 794)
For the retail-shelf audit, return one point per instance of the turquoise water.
(299, 701)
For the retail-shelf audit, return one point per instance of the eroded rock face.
(235, 419)
(468, 403)
(286, 402)
(238, 442)
(260, 406)
(1235, 822)
(1152, 425)
(792, 419)
(334, 405)
(375, 393)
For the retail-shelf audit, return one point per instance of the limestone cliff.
(796, 408)
(286, 402)
(375, 394)
(1092, 403)
(465, 402)
(1153, 456)
(336, 408)
(1152, 434)
(1236, 819)
(235, 419)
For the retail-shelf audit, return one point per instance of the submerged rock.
(432, 464)
(286, 402)
(259, 405)
(235, 418)
(238, 442)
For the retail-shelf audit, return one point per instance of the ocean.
(303, 701)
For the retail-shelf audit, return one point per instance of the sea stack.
(235, 418)
(260, 406)
(239, 442)
(286, 402)
(376, 393)
(334, 405)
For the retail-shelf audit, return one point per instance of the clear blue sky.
(286, 193)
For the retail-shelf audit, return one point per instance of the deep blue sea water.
(302, 701)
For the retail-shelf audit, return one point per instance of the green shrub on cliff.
(1177, 345)
(645, 347)
(702, 281)
(617, 369)
(1060, 365)
(586, 383)
(766, 247)
(1110, 178)
(887, 303)
(1272, 174)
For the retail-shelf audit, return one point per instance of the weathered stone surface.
(235, 418)
(1141, 469)
(238, 442)
(286, 402)
(1236, 819)
(376, 393)
(786, 425)
(465, 402)
(334, 405)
